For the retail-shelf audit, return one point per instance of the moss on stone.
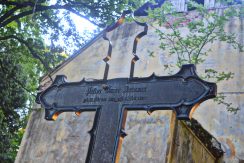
(210, 142)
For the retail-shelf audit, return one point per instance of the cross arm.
(181, 92)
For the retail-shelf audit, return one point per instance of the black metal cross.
(111, 99)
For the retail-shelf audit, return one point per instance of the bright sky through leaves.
(83, 26)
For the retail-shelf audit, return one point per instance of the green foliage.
(13, 98)
(199, 33)
(220, 99)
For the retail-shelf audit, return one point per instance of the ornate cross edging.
(186, 75)
(111, 99)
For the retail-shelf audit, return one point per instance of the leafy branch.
(9, 16)
(5, 70)
(204, 28)
(31, 50)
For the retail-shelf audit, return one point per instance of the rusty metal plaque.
(111, 99)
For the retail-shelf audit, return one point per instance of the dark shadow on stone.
(210, 142)
(241, 161)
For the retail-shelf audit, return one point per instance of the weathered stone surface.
(67, 136)
(59, 142)
(147, 137)
(188, 148)
(223, 125)
(66, 139)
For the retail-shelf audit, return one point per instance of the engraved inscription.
(113, 90)
(109, 98)
(128, 93)
(131, 89)
(91, 91)
(114, 99)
